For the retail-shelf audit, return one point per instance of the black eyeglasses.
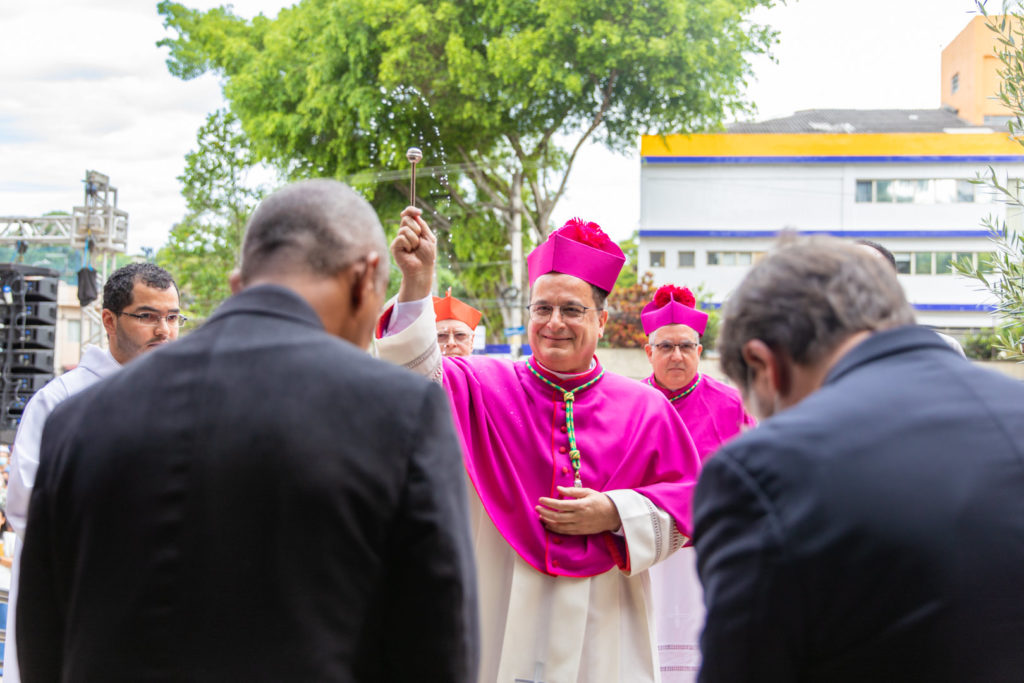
(153, 319)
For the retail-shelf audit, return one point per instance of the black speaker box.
(32, 361)
(31, 313)
(23, 383)
(28, 337)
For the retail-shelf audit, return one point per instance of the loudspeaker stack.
(28, 325)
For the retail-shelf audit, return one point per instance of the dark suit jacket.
(259, 501)
(874, 531)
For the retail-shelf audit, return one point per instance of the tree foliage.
(624, 329)
(1003, 274)
(204, 247)
(488, 90)
(982, 346)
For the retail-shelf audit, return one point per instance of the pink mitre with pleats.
(673, 306)
(579, 248)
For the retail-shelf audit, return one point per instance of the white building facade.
(711, 205)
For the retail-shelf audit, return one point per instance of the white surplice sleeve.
(650, 533)
(25, 455)
(410, 339)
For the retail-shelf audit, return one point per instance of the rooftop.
(858, 121)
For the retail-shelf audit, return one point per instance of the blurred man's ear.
(768, 378)
(235, 281)
(364, 287)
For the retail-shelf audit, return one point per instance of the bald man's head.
(313, 227)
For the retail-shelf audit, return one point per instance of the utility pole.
(516, 235)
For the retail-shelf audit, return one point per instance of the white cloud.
(85, 87)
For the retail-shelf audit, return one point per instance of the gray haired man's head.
(324, 242)
(319, 227)
(805, 299)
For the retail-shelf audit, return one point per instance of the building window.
(732, 258)
(919, 191)
(986, 261)
(657, 259)
(902, 263)
(883, 190)
(864, 188)
(965, 191)
(686, 259)
(956, 82)
(74, 331)
(941, 262)
(923, 263)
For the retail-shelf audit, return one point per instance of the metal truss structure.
(97, 225)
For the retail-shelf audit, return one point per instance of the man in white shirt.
(140, 312)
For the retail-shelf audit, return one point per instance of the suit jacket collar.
(273, 300)
(886, 343)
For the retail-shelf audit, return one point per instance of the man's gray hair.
(805, 298)
(317, 226)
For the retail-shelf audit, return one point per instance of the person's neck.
(678, 388)
(806, 379)
(322, 295)
(566, 375)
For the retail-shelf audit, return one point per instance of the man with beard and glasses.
(140, 313)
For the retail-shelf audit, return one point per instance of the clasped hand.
(583, 511)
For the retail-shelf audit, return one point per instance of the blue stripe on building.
(504, 348)
(852, 234)
(973, 308)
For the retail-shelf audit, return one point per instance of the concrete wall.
(970, 55)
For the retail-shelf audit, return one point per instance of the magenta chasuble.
(514, 435)
(712, 411)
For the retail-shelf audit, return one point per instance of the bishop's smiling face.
(564, 343)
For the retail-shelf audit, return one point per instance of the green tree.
(1002, 273)
(203, 248)
(490, 90)
(631, 250)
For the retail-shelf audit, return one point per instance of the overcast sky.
(83, 86)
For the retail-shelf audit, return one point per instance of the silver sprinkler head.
(413, 154)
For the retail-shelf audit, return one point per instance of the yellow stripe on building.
(830, 145)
